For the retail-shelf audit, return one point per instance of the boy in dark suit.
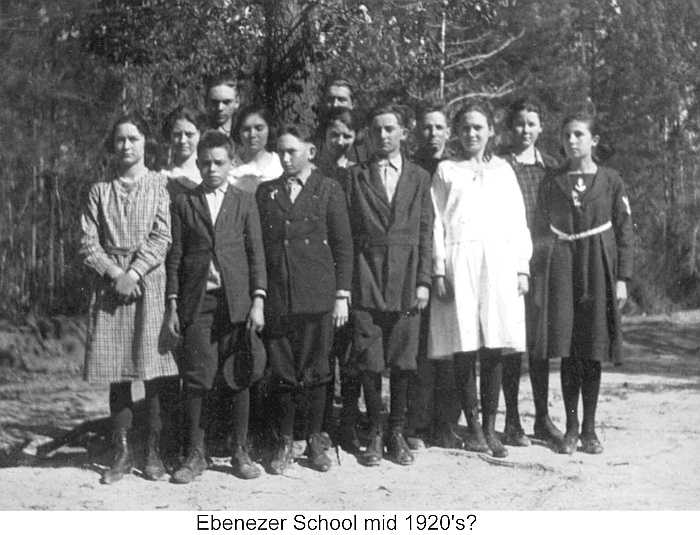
(391, 216)
(215, 292)
(309, 253)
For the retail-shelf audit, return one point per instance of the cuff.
(134, 275)
(114, 271)
(171, 297)
(342, 294)
(260, 293)
(438, 268)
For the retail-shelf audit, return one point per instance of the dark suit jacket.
(307, 244)
(235, 241)
(393, 241)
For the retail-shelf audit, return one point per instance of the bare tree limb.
(478, 59)
(502, 91)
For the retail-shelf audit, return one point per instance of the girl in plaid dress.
(125, 237)
(524, 120)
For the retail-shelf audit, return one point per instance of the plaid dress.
(129, 229)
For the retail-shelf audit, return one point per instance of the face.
(222, 103)
(339, 96)
(254, 133)
(183, 139)
(526, 128)
(434, 132)
(339, 138)
(578, 141)
(129, 145)
(386, 134)
(474, 133)
(214, 166)
(295, 154)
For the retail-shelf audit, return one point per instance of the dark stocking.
(372, 386)
(511, 386)
(286, 409)
(121, 405)
(240, 412)
(350, 390)
(539, 378)
(316, 402)
(490, 384)
(465, 377)
(571, 378)
(398, 383)
(590, 388)
(194, 402)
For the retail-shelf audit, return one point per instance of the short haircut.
(340, 82)
(182, 112)
(298, 131)
(131, 117)
(528, 103)
(348, 117)
(383, 109)
(429, 107)
(265, 114)
(221, 79)
(213, 139)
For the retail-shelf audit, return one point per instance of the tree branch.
(472, 61)
(502, 91)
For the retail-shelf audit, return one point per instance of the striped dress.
(129, 229)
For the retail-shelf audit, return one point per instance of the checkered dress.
(131, 230)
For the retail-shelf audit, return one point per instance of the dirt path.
(650, 427)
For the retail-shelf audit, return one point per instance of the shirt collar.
(301, 179)
(221, 189)
(394, 161)
(538, 159)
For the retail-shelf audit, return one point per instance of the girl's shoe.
(590, 444)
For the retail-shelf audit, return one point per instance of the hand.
(125, 286)
(256, 315)
(443, 291)
(621, 293)
(340, 312)
(172, 320)
(422, 297)
(523, 284)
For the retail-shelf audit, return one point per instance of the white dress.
(248, 176)
(481, 243)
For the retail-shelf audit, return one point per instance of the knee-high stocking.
(372, 386)
(590, 389)
(121, 406)
(571, 379)
(398, 384)
(511, 387)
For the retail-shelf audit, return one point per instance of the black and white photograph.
(350, 256)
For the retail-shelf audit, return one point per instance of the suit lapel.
(375, 192)
(405, 190)
(280, 195)
(308, 191)
(200, 205)
(228, 207)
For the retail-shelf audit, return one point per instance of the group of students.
(273, 252)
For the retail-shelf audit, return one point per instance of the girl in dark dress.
(587, 266)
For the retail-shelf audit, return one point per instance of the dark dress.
(580, 316)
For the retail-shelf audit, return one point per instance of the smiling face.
(254, 133)
(578, 141)
(386, 135)
(339, 138)
(222, 103)
(434, 133)
(526, 129)
(183, 140)
(474, 132)
(295, 154)
(214, 166)
(129, 145)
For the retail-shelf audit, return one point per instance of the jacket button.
(287, 222)
(286, 242)
(306, 241)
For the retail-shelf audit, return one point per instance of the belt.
(581, 235)
(120, 251)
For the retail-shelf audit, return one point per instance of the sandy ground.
(649, 424)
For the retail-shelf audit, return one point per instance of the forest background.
(68, 67)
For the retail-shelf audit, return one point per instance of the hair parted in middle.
(483, 107)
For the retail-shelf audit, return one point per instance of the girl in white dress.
(254, 134)
(481, 257)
